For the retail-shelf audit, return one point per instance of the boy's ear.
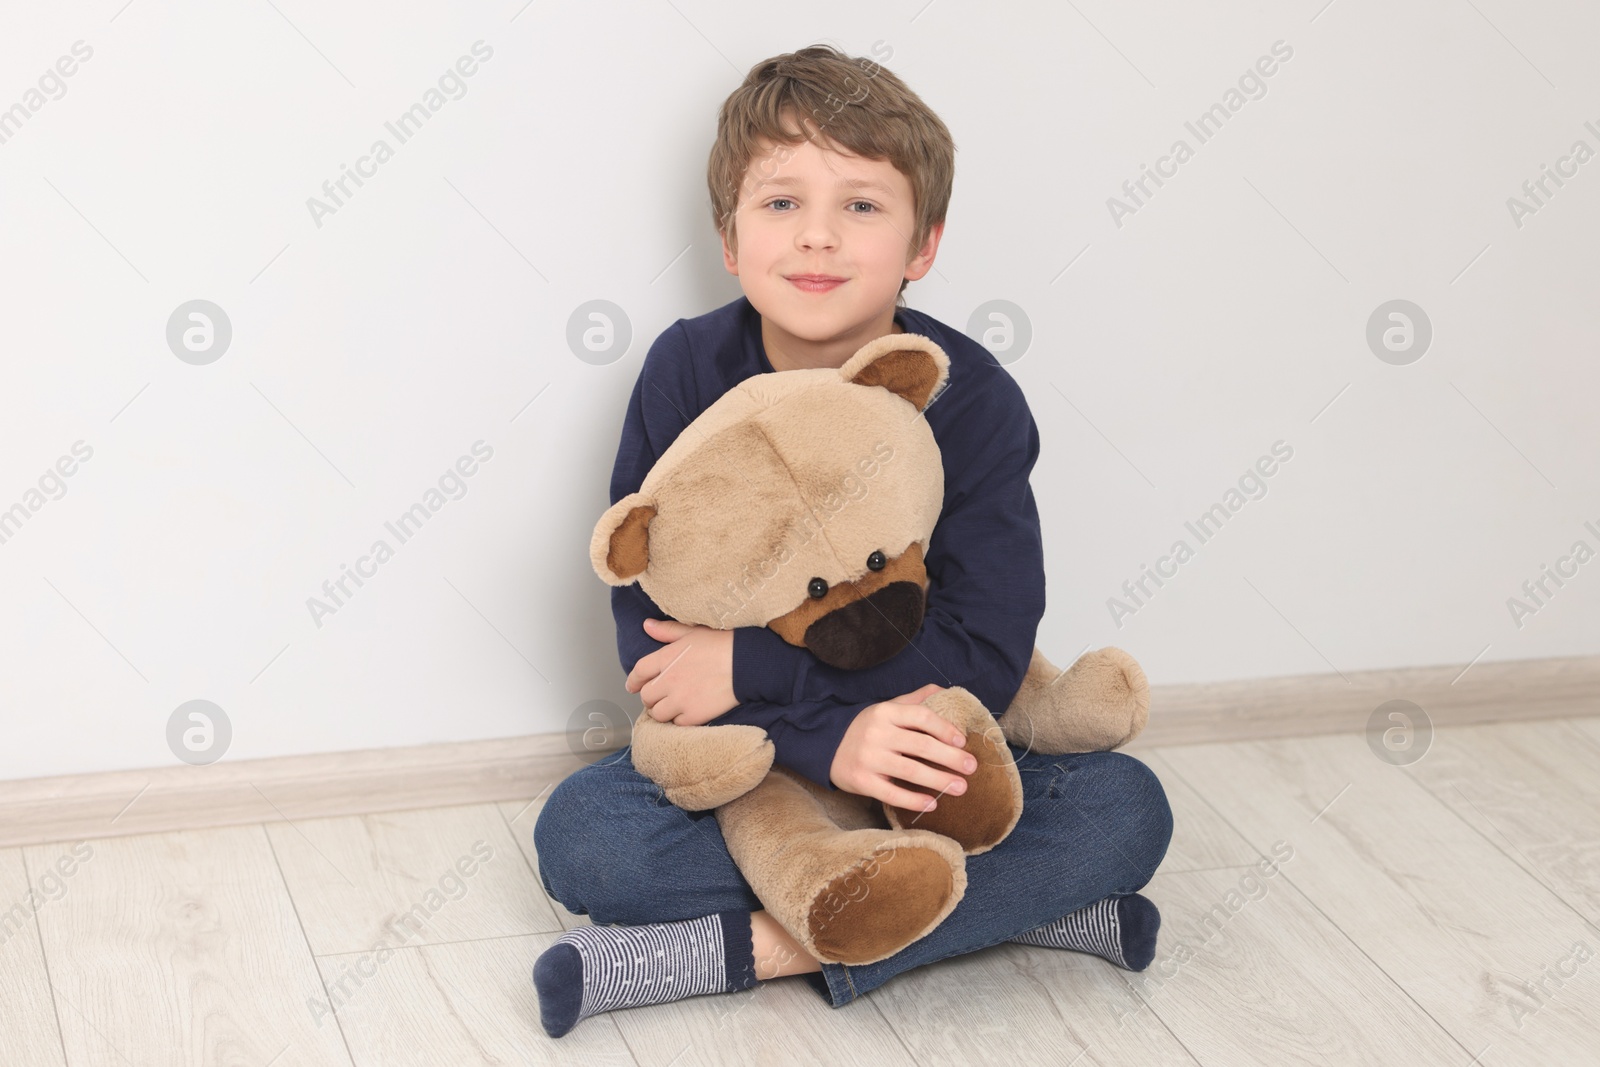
(907, 364)
(620, 547)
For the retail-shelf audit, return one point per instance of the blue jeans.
(1093, 825)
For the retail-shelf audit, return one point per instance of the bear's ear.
(907, 364)
(620, 548)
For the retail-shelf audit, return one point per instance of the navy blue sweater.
(985, 560)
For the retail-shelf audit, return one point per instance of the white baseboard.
(232, 792)
(118, 803)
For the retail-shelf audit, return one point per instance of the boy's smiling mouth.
(816, 283)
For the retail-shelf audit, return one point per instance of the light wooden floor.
(1418, 915)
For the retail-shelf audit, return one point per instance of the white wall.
(430, 312)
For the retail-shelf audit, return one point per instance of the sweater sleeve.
(986, 576)
(805, 733)
(661, 406)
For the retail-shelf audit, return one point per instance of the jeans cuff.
(833, 984)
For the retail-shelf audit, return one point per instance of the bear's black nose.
(870, 631)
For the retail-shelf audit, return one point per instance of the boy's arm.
(986, 585)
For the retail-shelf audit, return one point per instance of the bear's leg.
(847, 896)
(1093, 825)
(981, 817)
(1098, 704)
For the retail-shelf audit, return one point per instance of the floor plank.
(1022, 1004)
(409, 878)
(459, 1004)
(780, 1021)
(1248, 972)
(1588, 724)
(28, 1033)
(182, 948)
(1530, 789)
(1201, 839)
(1444, 914)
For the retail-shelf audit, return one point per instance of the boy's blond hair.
(851, 102)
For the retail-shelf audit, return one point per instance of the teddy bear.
(756, 516)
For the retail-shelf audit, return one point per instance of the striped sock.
(1120, 929)
(597, 968)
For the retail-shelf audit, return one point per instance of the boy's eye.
(855, 203)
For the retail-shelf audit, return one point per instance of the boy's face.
(804, 211)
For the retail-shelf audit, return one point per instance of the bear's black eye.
(818, 588)
(876, 562)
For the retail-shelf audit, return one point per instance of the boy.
(829, 183)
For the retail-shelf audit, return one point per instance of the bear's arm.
(986, 580)
(805, 736)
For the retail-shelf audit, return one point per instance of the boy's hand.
(881, 741)
(690, 681)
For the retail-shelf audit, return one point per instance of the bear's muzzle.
(871, 630)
